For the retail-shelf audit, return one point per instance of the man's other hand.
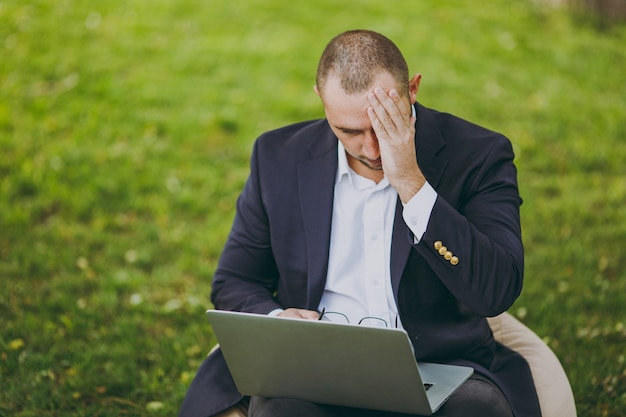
(297, 313)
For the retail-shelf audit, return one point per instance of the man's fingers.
(400, 104)
(379, 126)
(383, 108)
(392, 103)
(297, 313)
(388, 113)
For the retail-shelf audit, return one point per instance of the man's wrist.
(408, 190)
(417, 211)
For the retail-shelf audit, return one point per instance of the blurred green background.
(125, 131)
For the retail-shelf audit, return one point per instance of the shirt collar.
(342, 163)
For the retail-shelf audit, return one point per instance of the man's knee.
(477, 397)
(285, 407)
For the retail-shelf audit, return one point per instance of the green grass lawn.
(125, 130)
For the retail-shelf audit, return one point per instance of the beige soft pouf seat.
(553, 389)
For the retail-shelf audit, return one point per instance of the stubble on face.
(374, 164)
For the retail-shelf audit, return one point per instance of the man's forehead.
(333, 86)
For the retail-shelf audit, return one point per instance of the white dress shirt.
(358, 282)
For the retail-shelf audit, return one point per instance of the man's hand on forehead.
(394, 126)
(389, 112)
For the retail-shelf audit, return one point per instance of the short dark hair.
(357, 57)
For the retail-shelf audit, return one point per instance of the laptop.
(331, 363)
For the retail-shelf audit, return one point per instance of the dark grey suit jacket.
(277, 253)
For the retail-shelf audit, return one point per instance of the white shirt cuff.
(417, 211)
(275, 313)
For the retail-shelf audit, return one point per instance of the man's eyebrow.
(349, 130)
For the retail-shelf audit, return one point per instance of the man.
(384, 209)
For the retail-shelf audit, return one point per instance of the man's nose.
(370, 145)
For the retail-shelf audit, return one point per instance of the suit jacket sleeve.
(246, 276)
(477, 219)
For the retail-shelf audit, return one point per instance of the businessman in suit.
(383, 209)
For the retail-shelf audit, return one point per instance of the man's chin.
(376, 165)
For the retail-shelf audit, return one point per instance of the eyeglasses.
(366, 321)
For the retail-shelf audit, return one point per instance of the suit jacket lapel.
(428, 143)
(400, 248)
(316, 183)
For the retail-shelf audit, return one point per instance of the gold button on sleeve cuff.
(454, 260)
(442, 250)
(438, 245)
(447, 256)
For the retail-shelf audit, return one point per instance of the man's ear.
(414, 86)
(317, 91)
